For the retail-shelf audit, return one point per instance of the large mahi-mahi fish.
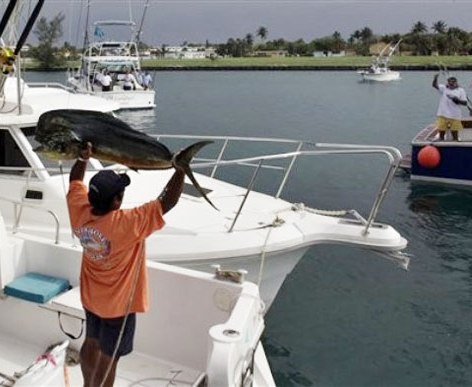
(63, 133)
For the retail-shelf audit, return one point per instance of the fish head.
(59, 150)
(57, 138)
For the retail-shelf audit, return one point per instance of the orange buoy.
(429, 157)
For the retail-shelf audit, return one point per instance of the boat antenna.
(140, 29)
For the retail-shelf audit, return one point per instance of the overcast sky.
(176, 21)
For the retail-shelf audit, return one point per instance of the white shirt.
(447, 108)
(106, 80)
(128, 80)
(147, 80)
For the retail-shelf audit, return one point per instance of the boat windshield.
(12, 160)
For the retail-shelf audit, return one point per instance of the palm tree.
(355, 36)
(338, 42)
(366, 35)
(262, 32)
(419, 28)
(249, 39)
(439, 27)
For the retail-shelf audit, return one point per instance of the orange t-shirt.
(114, 245)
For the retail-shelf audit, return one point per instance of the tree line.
(420, 40)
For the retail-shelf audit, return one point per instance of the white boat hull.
(126, 99)
(380, 77)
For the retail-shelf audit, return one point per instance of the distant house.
(320, 54)
(186, 52)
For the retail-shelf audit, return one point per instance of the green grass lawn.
(348, 62)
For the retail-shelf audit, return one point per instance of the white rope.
(123, 325)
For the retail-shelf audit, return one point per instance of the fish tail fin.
(183, 159)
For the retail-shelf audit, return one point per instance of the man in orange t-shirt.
(113, 278)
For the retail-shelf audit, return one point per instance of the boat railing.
(259, 162)
(18, 210)
(392, 154)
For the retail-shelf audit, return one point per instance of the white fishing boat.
(258, 232)
(111, 68)
(202, 329)
(379, 70)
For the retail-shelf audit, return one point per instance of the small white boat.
(117, 59)
(379, 70)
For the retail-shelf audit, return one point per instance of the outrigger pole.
(140, 29)
(28, 27)
(7, 15)
(86, 39)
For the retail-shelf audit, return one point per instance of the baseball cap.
(104, 186)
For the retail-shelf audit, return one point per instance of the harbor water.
(346, 317)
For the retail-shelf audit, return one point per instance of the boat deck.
(430, 134)
(133, 370)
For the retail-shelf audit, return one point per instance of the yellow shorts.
(443, 124)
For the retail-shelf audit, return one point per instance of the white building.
(185, 52)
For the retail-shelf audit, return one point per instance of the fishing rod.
(443, 69)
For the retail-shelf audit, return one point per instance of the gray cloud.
(172, 22)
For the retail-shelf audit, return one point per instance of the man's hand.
(78, 169)
(458, 101)
(86, 151)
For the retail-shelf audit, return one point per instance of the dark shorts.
(107, 331)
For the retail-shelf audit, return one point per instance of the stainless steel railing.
(259, 162)
(392, 154)
(18, 210)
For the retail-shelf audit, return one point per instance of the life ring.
(429, 157)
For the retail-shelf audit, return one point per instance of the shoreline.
(295, 68)
(276, 67)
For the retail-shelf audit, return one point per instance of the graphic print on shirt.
(95, 244)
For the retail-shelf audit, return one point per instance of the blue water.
(344, 316)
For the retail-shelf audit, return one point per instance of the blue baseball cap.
(104, 186)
